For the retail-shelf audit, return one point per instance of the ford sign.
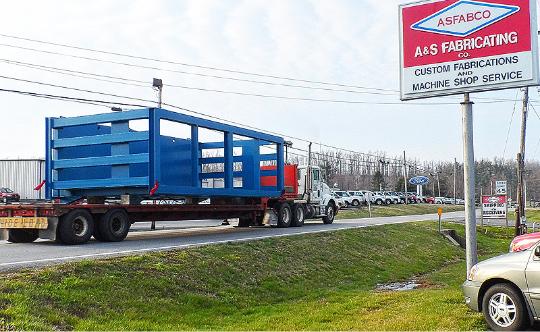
(419, 180)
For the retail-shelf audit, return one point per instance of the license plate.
(24, 222)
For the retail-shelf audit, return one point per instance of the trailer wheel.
(22, 235)
(299, 215)
(330, 214)
(284, 215)
(76, 227)
(114, 225)
(97, 234)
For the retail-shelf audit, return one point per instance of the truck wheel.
(330, 214)
(114, 225)
(355, 203)
(97, 235)
(284, 215)
(504, 309)
(76, 227)
(22, 235)
(299, 215)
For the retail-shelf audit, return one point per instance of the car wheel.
(299, 215)
(330, 214)
(284, 215)
(355, 203)
(504, 309)
(379, 202)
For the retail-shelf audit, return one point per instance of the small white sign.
(500, 187)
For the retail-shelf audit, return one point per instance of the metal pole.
(438, 184)
(469, 182)
(455, 171)
(405, 178)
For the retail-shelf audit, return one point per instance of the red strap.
(39, 186)
(154, 189)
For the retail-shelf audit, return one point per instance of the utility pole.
(469, 182)
(438, 183)
(521, 219)
(455, 171)
(405, 178)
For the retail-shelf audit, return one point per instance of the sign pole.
(468, 158)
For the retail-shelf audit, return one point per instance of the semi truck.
(105, 172)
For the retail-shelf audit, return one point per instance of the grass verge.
(314, 282)
(396, 210)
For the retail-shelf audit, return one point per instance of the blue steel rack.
(100, 155)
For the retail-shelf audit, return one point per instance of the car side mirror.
(537, 251)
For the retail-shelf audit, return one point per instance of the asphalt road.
(176, 235)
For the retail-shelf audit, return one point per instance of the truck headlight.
(473, 273)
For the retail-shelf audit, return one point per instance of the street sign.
(419, 180)
(500, 187)
(452, 47)
(439, 211)
(494, 207)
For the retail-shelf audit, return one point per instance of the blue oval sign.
(419, 180)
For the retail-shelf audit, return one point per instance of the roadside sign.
(439, 211)
(494, 207)
(419, 180)
(500, 187)
(452, 47)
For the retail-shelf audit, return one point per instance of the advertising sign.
(500, 187)
(494, 207)
(419, 180)
(452, 47)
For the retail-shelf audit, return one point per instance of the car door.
(532, 275)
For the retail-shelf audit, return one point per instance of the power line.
(193, 65)
(127, 64)
(510, 125)
(360, 102)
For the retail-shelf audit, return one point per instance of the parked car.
(375, 197)
(341, 202)
(7, 195)
(412, 198)
(357, 197)
(439, 200)
(524, 242)
(430, 200)
(506, 289)
(386, 198)
(393, 196)
(448, 200)
(345, 196)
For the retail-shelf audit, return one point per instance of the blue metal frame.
(100, 155)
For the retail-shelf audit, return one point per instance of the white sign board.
(452, 47)
(500, 187)
(494, 207)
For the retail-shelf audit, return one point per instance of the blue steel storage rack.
(100, 155)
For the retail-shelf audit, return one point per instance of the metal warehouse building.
(23, 175)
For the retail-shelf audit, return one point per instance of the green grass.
(533, 215)
(313, 282)
(396, 210)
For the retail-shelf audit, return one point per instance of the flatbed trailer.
(102, 175)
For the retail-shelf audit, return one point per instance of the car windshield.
(6, 190)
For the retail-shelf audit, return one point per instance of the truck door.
(316, 185)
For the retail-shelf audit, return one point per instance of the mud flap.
(270, 218)
(50, 232)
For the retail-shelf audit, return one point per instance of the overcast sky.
(349, 42)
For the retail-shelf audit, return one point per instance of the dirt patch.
(403, 286)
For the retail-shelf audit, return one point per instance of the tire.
(388, 202)
(355, 203)
(97, 235)
(284, 215)
(76, 227)
(330, 214)
(114, 225)
(22, 235)
(379, 202)
(504, 309)
(299, 215)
